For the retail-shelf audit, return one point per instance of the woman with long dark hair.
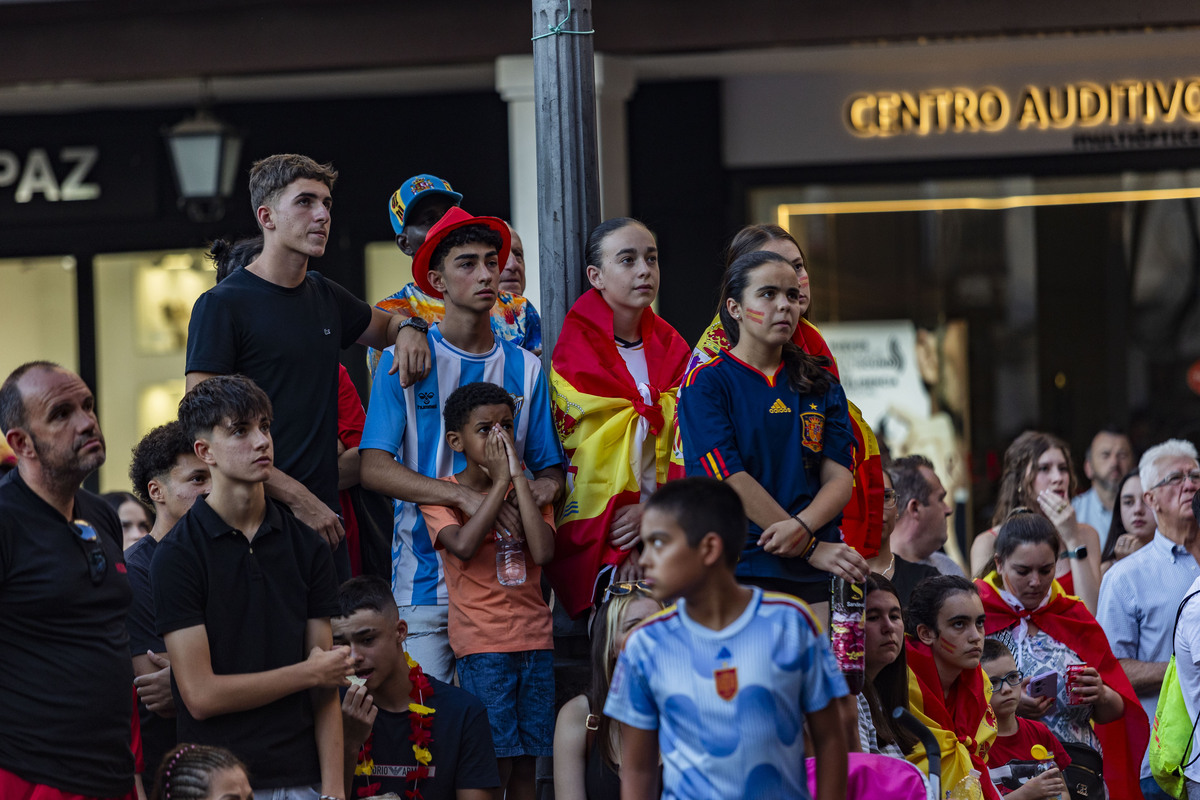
(770, 420)
(1038, 475)
(886, 686)
(1132, 525)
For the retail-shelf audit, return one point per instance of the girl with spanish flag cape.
(605, 420)
(862, 518)
(1067, 620)
(959, 715)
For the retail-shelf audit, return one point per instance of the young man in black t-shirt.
(283, 327)
(65, 700)
(460, 762)
(241, 590)
(167, 476)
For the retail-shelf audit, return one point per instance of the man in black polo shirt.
(283, 326)
(242, 590)
(65, 675)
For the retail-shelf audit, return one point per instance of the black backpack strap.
(1178, 614)
(1191, 736)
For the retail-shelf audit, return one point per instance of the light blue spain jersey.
(728, 705)
(408, 424)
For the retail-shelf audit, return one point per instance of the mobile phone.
(1044, 685)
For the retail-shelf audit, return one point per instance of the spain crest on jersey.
(726, 681)
(814, 430)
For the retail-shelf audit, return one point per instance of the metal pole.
(568, 178)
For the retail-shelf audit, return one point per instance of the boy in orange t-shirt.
(501, 635)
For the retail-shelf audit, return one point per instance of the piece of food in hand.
(357, 681)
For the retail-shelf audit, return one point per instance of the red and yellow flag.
(862, 518)
(597, 409)
(962, 721)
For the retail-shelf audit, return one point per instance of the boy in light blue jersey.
(724, 679)
(404, 450)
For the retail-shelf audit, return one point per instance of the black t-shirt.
(255, 599)
(907, 575)
(158, 733)
(287, 341)
(462, 750)
(65, 673)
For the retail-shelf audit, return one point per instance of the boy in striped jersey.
(726, 677)
(404, 447)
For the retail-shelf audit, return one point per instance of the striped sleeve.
(706, 425)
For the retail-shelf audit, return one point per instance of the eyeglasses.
(1176, 478)
(626, 587)
(889, 498)
(90, 542)
(1013, 679)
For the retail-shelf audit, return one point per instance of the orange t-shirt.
(485, 616)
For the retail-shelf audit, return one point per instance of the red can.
(1073, 687)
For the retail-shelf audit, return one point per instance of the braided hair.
(186, 772)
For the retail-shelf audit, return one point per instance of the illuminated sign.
(1083, 104)
(35, 176)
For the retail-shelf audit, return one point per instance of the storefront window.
(1000, 305)
(143, 304)
(39, 313)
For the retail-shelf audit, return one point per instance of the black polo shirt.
(254, 599)
(65, 673)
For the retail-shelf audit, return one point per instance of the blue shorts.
(518, 691)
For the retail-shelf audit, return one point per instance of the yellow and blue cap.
(413, 189)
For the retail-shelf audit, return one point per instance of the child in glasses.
(500, 632)
(1011, 763)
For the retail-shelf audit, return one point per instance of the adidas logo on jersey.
(779, 407)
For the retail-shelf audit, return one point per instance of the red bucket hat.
(454, 219)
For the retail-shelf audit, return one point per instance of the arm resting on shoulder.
(639, 763)
(194, 377)
(207, 694)
(465, 540)
(382, 473)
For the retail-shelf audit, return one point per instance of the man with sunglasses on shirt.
(65, 672)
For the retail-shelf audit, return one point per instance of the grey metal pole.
(568, 178)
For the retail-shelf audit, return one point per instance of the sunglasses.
(1013, 679)
(626, 587)
(90, 542)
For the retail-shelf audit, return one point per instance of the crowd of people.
(248, 621)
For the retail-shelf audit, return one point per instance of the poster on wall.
(911, 385)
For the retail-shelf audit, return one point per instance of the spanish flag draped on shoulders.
(1067, 620)
(862, 518)
(603, 419)
(962, 722)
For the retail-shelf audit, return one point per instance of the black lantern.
(204, 156)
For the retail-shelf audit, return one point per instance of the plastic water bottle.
(847, 631)
(969, 788)
(1045, 761)
(510, 561)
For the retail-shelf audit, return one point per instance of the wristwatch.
(415, 322)
(1079, 552)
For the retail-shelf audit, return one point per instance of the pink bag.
(874, 776)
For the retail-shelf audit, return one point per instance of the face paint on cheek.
(756, 316)
(804, 282)
(949, 648)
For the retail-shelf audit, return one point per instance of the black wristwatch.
(1079, 552)
(415, 322)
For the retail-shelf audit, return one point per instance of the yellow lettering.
(1158, 97)
(965, 106)
(910, 115)
(889, 113)
(1093, 104)
(993, 109)
(1191, 100)
(1033, 109)
(1063, 105)
(860, 115)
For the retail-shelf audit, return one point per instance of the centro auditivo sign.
(1073, 105)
